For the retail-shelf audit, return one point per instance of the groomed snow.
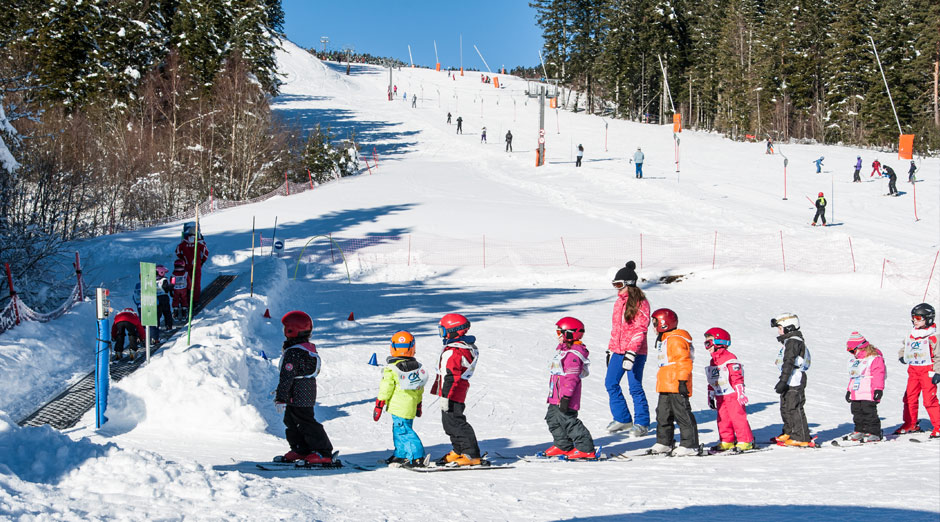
(182, 430)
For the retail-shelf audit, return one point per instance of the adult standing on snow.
(296, 393)
(892, 180)
(508, 141)
(627, 352)
(792, 361)
(448, 118)
(194, 254)
(580, 155)
(459, 125)
(483, 136)
(858, 168)
(638, 158)
(414, 101)
(820, 209)
(875, 168)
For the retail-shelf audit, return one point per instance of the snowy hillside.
(446, 223)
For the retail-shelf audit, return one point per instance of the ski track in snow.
(182, 429)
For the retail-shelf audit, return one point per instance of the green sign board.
(148, 294)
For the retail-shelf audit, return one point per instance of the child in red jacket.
(126, 323)
(456, 365)
(923, 370)
(726, 393)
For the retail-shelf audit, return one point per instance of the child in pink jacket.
(726, 393)
(866, 386)
(569, 366)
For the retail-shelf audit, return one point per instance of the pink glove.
(742, 399)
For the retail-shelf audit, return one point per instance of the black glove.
(901, 359)
(563, 404)
(608, 357)
(711, 402)
(418, 412)
(684, 388)
(848, 396)
(781, 387)
(877, 395)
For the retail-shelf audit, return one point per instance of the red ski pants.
(732, 420)
(919, 382)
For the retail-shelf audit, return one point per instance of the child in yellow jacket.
(674, 385)
(400, 392)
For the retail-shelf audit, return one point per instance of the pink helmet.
(571, 328)
(162, 270)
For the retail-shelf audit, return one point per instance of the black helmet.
(926, 311)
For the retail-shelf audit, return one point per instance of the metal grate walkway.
(65, 410)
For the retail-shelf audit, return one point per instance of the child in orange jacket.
(674, 385)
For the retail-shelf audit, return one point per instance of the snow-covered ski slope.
(182, 430)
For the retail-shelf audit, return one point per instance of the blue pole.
(102, 357)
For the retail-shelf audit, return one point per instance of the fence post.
(16, 311)
(563, 249)
(367, 165)
(641, 250)
(715, 250)
(783, 252)
(310, 178)
(883, 262)
(852, 251)
(931, 275)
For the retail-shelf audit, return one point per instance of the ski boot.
(721, 447)
(466, 460)
(744, 446)
(935, 434)
(116, 356)
(638, 431)
(290, 456)
(616, 426)
(394, 461)
(315, 459)
(131, 355)
(855, 436)
(577, 454)
(871, 437)
(904, 431)
(683, 451)
(659, 449)
(555, 451)
(447, 459)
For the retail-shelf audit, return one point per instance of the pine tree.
(850, 71)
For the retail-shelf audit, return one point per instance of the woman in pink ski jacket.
(866, 385)
(626, 354)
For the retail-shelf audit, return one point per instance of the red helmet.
(162, 270)
(571, 328)
(179, 263)
(720, 338)
(820, 194)
(296, 324)
(453, 325)
(665, 319)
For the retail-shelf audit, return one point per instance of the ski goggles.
(716, 343)
(917, 318)
(619, 283)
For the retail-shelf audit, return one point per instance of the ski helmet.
(403, 344)
(789, 321)
(131, 310)
(453, 325)
(926, 311)
(161, 270)
(179, 263)
(720, 338)
(665, 320)
(820, 194)
(297, 324)
(571, 328)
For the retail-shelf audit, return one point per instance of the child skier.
(126, 323)
(793, 361)
(570, 365)
(726, 393)
(483, 136)
(400, 393)
(455, 367)
(856, 178)
(296, 394)
(875, 168)
(180, 281)
(923, 370)
(674, 385)
(163, 298)
(820, 209)
(911, 171)
(866, 386)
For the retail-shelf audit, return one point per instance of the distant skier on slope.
(858, 168)
(910, 172)
(483, 136)
(892, 180)
(508, 141)
(819, 163)
(580, 155)
(459, 125)
(875, 168)
(820, 209)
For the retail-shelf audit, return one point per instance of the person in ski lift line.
(627, 352)
(400, 393)
(126, 324)
(820, 209)
(569, 365)
(866, 387)
(920, 354)
(674, 385)
(793, 360)
(457, 362)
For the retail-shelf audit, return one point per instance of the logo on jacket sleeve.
(289, 367)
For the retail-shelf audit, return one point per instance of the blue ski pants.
(618, 403)
(407, 443)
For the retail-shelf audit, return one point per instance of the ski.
(434, 468)
(731, 452)
(277, 465)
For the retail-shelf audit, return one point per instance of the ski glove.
(418, 412)
(742, 399)
(781, 387)
(877, 395)
(563, 404)
(848, 396)
(935, 379)
(901, 359)
(684, 388)
(280, 407)
(445, 404)
(628, 358)
(608, 357)
(377, 412)
(711, 401)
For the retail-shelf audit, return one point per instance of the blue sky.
(504, 30)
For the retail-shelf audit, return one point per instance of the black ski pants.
(304, 434)
(164, 311)
(125, 329)
(459, 127)
(856, 177)
(509, 146)
(462, 436)
(578, 162)
(672, 409)
(791, 411)
(865, 415)
(820, 214)
(567, 430)
(893, 186)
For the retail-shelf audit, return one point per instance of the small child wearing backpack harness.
(180, 282)
(569, 366)
(726, 393)
(457, 362)
(866, 386)
(400, 393)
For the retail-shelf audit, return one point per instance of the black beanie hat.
(627, 274)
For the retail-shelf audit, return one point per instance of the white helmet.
(789, 321)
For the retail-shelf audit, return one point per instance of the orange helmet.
(453, 325)
(403, 344)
